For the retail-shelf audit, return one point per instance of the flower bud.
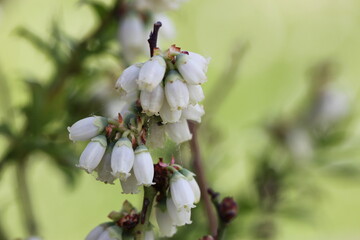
(151, 102)
(191, 70)
(165, 223)
(93, 153)
(87, 128)
(104, 169)
(196, 93)
(111, 233)
(176, 91)
(156, 136)
(122, 158)
(151, 73)
(167, 115)
(181, 192)
(97, 231)
(143, 166)
(228, 209)
(193, 112)
(179, 132)
(130, 185)
(126, 83)
(180, 216)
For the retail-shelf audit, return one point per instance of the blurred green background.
(285, 39)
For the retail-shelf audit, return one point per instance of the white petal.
(180, 216)
(143, 166)
(201, 60)
(151, 73)
(87, 128)
(181, 192)
(130, 185)
(122, 158)
(190, 70)
(193, 112)
(149, 235)
(111, 233)
(169, 116)
(176, 91)
(127, 80)
(166, 226)
(93, 153)
(196, 189)
(151, 102)
(196, 93)
(179, 132)
(104, 169)
(96, 232)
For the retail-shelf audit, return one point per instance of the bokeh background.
(285, 40)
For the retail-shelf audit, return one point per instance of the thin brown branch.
(153, 37)
(200, 176)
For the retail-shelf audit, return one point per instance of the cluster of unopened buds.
(168, 87)
(177, 192)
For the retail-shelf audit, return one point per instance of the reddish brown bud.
(228, 209)
(129, 221)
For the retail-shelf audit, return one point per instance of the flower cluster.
(113, 151)
(168, 86)
(178, 192)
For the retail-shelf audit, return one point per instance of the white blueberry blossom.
(87, 128)
(193, 112)
(181, 192)
(151, 73)
(179, 131)
(122, 158)
(143, 166)
(126, 83)
(151, 102)
(176, 91)
(130, 185)
(93, 153)
(192, 70)
(165, 223)
(179, 216)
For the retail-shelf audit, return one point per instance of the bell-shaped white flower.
(165, 223)
(126, 83)
(167, 115)
(156, 135)
(122, 158)
(181, 192)
(193, 112)
(151, 73)
(149, 235)
(179, 216)
(196, 189)
(131, 36)
(97, 231)
(151, 102)
(93, 153)
(143, 166)
(201, 60)
(191, 70)
(103, 170)
(87, 128)
(196, 93)
(179, 132)
(130, 185)
(111, 233)
(176, 91)
(193, 184)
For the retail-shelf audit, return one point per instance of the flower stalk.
(149, 197)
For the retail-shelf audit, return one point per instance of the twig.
(25, 199)
(149, 197)
(200, 176)
(153, 37)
